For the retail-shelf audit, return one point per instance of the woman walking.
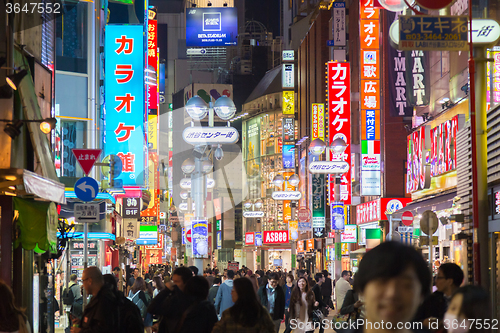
(301, 307)
(246, 315)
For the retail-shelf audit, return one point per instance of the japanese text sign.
(249, 238)
(378, 210)
(339, 121)
(318, 121)
(288, 106)
(495, 68)
(152, 87)
(433, 33)
(339, 24)
(124, 84)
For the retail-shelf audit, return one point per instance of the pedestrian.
(469, 311)
(341, 288)
(69, 296)
(353, 306)
(302, 302)
(131, 280)
(255, 282)
(200, 316)
(326, 289)
(246, 315)
(194, 269)
(141, 297)
(12, 318)
(223, 299)
(322, 307)
(272, 297)
(449, 278)
(158, 284)
(212, 293)
(393, 280)
(287, 290)
(171, 303)
(101, 313)
(210, 277)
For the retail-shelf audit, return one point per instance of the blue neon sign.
(124, 83)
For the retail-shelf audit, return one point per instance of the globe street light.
(278, 180)
(317, 147)
(338, 146)
(188, 166)
(196, 108)
(225, 108)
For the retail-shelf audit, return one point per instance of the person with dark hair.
(131, 280)
(341, 288)
(448, 280)
(393, 279)
(271, 297)
(302, 302)
(469, 303)
(320, 279)
(212, 293)
(246, 315)
(326, 289)
(171, 303)
(101, 313)
(12, 318)
(194, 269)
(287, 290)
(255, 282)
(200, 316)
(158, 284)
(223, 299)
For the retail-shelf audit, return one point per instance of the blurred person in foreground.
(200, 316)
(12, 318)
(393, 279)
(469, 303)
(246, 315)
(171, 303)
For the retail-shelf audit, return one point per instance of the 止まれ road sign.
(86, 188)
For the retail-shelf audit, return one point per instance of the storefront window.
(71, 38)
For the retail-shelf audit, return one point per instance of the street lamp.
(291, 196)
(338, 146)
(317, 147)
(201, 165)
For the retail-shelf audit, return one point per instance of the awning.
(37, 225)
(31, 111)
(22, 183)
(434, 203)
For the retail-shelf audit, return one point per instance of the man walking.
(326, 289)
(212, 293)
(271, 297)
(224, 300)
(101, 314)
(341, 288)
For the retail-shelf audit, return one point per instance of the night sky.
(265, 11)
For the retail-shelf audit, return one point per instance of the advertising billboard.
(125, 100)
(318, 121)
(199, 238)
(211, 26)
(288, 156)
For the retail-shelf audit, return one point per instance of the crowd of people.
(391, 291)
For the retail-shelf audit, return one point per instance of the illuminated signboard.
(377, 210)
(287, 76)
(288, 102)
(495, 68)
(370, 98)
(275, 237)
(249, 238)
(125, 100)
(432, 152)
(318, 121)
(199, 238)
(350, 234)
(152, 81)
(288, 129)
(211, 26)
(288, 156)
(339, 111)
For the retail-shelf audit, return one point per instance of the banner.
(318, 205)
(396, 71)
(124, 83)
(318, 121)
(418, 77)
(339, 122)
(199, 238)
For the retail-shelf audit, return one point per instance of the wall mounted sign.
(318, 121)
(276, 237)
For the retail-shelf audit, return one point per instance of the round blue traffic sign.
(86, 188)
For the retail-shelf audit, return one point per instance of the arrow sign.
(86, 158)
(86, 188)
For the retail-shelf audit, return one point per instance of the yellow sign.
(153, 131)
(288, 102)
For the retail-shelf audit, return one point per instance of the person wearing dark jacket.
(171, 303)
(101, 314)
(449, 278)
(200, 316)
(287, 290)
(326, 289)
(320, 279)
(352, 306)
(212, 293)
(273, 299)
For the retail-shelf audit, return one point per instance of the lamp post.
(197, 110)
(337, 168)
